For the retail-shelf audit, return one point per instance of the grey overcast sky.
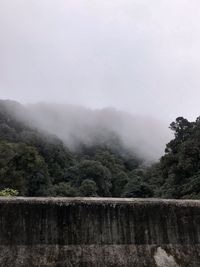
(141, 56)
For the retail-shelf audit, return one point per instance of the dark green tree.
(23, 169)
(63, 190)
(137, 188)
(88, 188)
(93, 170)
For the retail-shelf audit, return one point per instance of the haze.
(134, 55)
(96, 58)
(76, 126)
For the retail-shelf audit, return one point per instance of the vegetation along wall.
(99, 232)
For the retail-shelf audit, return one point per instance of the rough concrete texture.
(90, 232)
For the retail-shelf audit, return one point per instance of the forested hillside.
(36, 163)
(177, 175)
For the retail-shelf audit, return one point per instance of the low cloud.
(77, 125)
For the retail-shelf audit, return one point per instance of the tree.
(191, 189)
(23, 169)
(137, 188)
(182, 129)
(93, 170)
(88, 188)
(119, 180)
(63, 190)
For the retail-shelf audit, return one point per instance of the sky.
(140, 56)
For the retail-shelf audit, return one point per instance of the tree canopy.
(35, 163)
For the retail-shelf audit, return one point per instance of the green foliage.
(119, 180)
(93, 170)
(63, 190)
(88, 188)
(191, 189)
(136, 187)
(178, 170)
(22, 168)
(38, 164)
(8, 192)
(34, 163)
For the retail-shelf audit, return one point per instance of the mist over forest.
(62, 150)
(75, 126)
(102, 98)
(100, 133)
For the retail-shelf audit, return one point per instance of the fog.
(140, 57)
(135, 55)
(144, 137)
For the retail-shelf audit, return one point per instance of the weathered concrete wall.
(99, 232)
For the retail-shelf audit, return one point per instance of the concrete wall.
(99, 232)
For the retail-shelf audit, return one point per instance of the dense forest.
(35, 163)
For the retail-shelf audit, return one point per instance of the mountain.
(37, 163)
